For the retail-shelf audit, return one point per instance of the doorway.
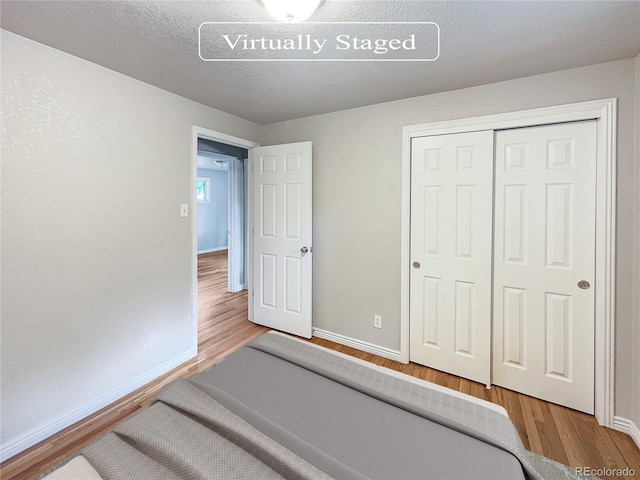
(289, 212)
(222, 206)
(236, 264)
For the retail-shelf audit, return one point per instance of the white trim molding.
(605, 112)
(358, 344)
(9, 449)
(627, 426)
(236, 225)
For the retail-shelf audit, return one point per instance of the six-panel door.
(451, 215)
(282, 233)
(544, 247)
(523, 267)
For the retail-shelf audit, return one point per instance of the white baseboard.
(238, 288)
(14, 447)
(627, 426)
(211, 250)
(358, 344)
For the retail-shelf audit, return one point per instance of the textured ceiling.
(481, 42)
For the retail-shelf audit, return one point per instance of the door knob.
(416, 264)
(584, 285)
(304, 250)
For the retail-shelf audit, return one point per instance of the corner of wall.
(636, 257)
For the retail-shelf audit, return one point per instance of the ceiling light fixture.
(291, 10)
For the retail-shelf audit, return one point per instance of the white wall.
(95, 259)
(213, 217)
(636, 314)
(357, 188)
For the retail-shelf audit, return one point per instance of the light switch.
(184, 210)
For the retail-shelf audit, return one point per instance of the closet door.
(451, 228)
(544, 266)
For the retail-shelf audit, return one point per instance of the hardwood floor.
(222, 328)
(570, 437)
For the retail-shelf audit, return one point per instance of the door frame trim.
(605, 112)
(201, 132)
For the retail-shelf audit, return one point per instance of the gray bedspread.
(280, 408)
(186, 434)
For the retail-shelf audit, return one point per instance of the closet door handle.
(584, 285)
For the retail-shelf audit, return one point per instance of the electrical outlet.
(377, 321)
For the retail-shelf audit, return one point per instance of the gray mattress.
(282, 408)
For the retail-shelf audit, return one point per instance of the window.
(203, 190)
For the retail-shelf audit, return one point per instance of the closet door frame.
(605, 112)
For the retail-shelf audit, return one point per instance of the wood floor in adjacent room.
(570, 437)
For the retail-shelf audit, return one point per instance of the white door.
(544, 263)
(451, 228)
(282, 237)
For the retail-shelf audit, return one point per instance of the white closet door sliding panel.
(544, 264)
(451, 229)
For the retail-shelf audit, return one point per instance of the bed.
(280, 407)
